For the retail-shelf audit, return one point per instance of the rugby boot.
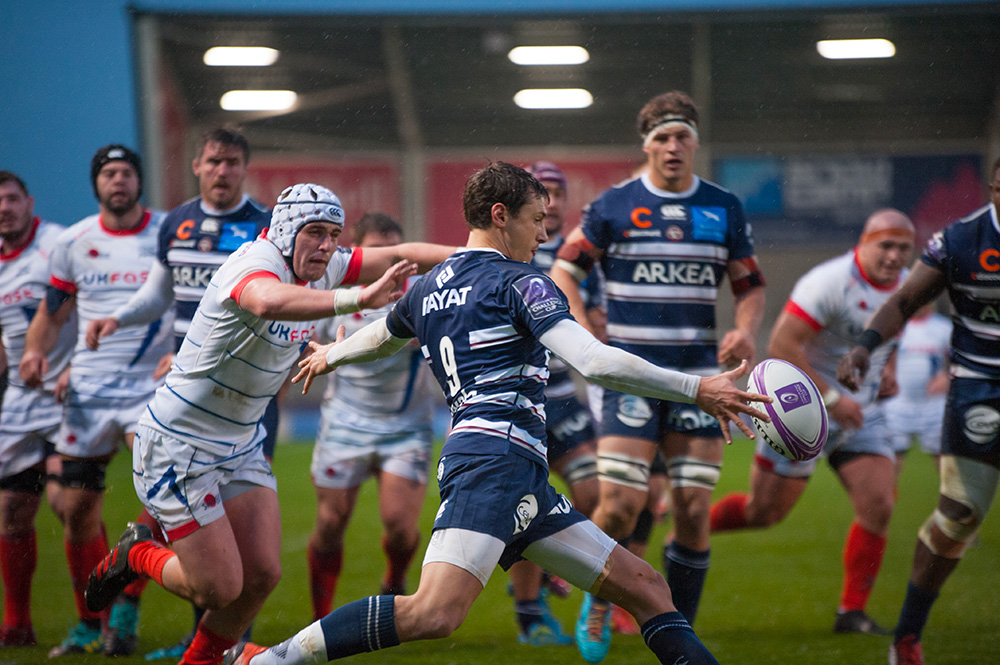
(120, 639)
(242, 653)
(82, 638)
(174, 651)
(113, 573)
(17, 636)
(856, 621)
(622, 622)
(906, 652)
(593, 629)
(542, 635)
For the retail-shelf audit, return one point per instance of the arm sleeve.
(372, 342)
(151, 301)
(614, 368)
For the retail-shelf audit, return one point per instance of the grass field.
(770, 595)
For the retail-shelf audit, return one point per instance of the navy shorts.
(506, 496)
(567, 426)
(649, 419)
(972, 420)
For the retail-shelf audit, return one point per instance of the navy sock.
(529, 612)
(916, 609)
(368, 624)
(672, 640)
(685, 571)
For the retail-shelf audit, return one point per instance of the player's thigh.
(400, 501)
(255, 520)
(211, 561)
(578, 468)
(870, 483)
(772, 495)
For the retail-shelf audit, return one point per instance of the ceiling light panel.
(847, 49)
(258, 100)
(240, 56)
(553, 98)
(548, 55)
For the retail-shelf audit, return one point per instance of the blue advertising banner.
(819, 199)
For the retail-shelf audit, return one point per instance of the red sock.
(136, 588)
(18, 557)
(206, 648)
(82, 559)
(863, 552)
(729, 512)
(324, 570)
(148, 559)
(397, 560)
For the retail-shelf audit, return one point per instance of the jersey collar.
(209, 210)
(648, 184)
(146, 215)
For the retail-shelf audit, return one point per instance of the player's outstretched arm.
(271, 299)
(622, 371)
(372, 342)
(376, 260)
(922, 286)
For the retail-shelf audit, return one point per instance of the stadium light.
(258, 100)
(553, 98)
(548, 55)
(240, 56)
(845, 49)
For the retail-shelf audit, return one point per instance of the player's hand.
(847, 413)
(97, 329)
(163, 367)
(736, 346)
(388, 288)
(852, 368)
(62, 385)
(719, 397)
(315, 363)
(33, 367)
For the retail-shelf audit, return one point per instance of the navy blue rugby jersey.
(665, 257)
(193, 244)
(968, 253)
(478, 316)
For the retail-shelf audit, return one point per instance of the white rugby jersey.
(24, 276)
(836, 299)
(923, 351)
(386, 396)
(103, 268)
(231, 362)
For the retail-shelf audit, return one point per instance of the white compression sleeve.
(372, 342)
(614, 368)
(151, 301)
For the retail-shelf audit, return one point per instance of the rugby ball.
(798, 424)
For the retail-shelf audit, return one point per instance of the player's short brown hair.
(498, 182)
(374, 222)
(7, 176)
(674, 102)
(227, 136)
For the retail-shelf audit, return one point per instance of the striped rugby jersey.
(24, 276)
(665, 256)
(195, 240)
(968, 253)
(836, 299)
(478, 316)
(231, 362)
(103, 268)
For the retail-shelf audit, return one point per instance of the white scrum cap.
(297, 206)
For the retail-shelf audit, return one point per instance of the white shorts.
(184, 487)
(100, 411)
(344, 458)
(28, 419)
(923, 420)
(577, 553)
(873, 438)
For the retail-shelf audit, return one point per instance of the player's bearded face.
(16, 208)
(314, 247)
(118, 187)
(220, 170)
(554, 208)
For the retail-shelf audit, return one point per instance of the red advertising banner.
(363, 185)
(586, 178)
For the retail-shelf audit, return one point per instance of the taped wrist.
(870, 339)
(345, 301)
